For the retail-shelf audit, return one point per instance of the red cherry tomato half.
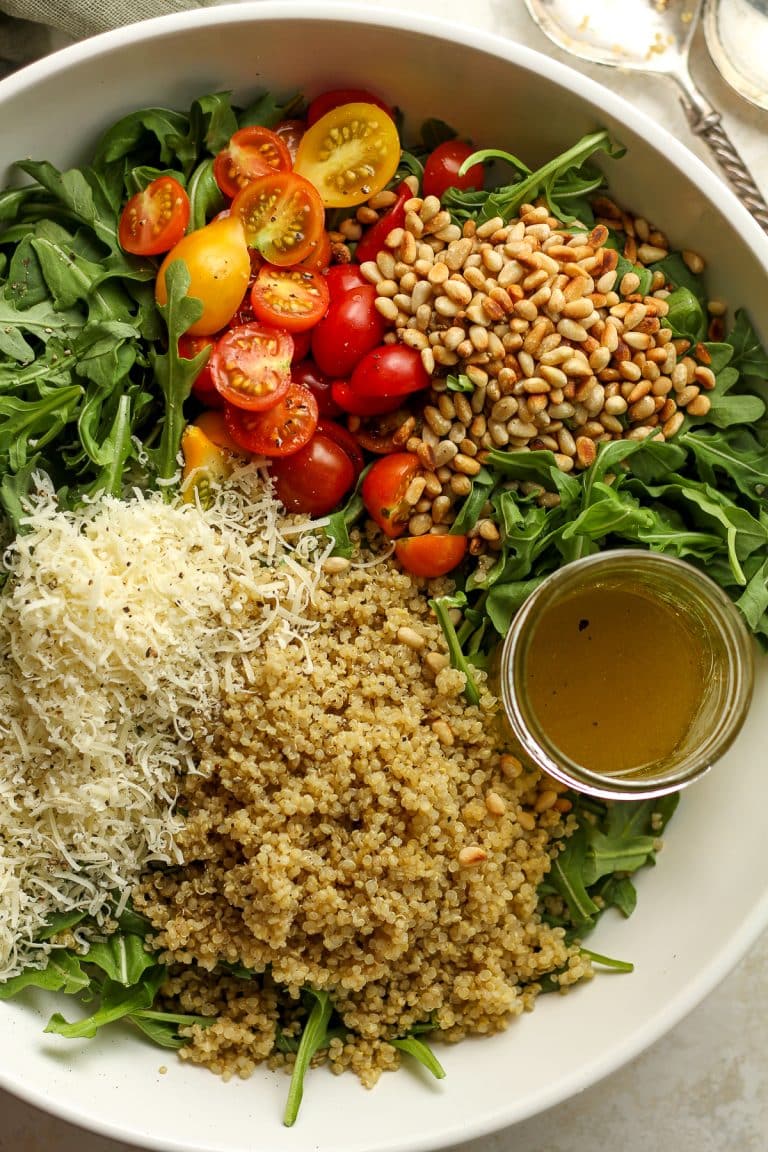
(350, 328)
(431, 556)
(391, 370)
(372, 240)
(251, 366)
(203, 387)
(283, 217)
(291, 298)
(315, 479)
(355, 405)
(252, 152)
(291, 132)
(344, 438)
(441, 170)
(383, 491)
(306, 372)
(153, 221)
(326, 101)
(342, 278)
(277, 431)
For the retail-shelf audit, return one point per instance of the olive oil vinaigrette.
(615, 676)
(626, 674)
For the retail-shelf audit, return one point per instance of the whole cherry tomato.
(350, 328)
(315, 479)
(431, 556)
(383, 491)
(344, 438)
(219, 268)
(306, 372)
(326, 101)
(441, 170)
(355, 405)
(342, 278)
(391, 370)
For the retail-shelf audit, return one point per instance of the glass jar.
(680, 604)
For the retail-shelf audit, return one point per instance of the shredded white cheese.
(118, 625)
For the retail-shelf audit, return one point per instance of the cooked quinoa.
(356, 827)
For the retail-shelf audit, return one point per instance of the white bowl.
(706, 902)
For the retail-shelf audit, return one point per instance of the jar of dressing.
(626, 674)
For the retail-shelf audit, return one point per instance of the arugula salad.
(429, 348)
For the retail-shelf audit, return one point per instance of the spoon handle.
(708, 124)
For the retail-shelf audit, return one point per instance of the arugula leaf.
(117, 1001)
(441, 606)
(749, 356)
(122, 957)
(420, 1051)
(175, 375)
(62, 973)
(313, 1038)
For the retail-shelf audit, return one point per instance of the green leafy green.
(313, 1038)
(418, 1048)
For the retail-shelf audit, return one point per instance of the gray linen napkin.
(31, 28)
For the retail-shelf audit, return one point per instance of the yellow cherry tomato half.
(349, 154)
(219, 266)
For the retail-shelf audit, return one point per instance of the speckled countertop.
(704, 1086)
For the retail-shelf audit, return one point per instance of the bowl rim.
(723, 200)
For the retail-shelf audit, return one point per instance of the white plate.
(706, 902)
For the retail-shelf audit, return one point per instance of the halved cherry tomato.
(344, 438)
(376, 434)
(383, 491)
(431, 556)
(291, 298)
(350, 328)
(283, 217)
(326, 101)
(219, 269)
(251, 366)
(355, 405)
(389, 370)
(342, 278)
(155, 219)
(203, 387)
(252, 152)
(291, 132)
(315, 479)
(213, 424)
(441, 170)
(306, 372)
(372, 240)
(349, 154)
(277, 431)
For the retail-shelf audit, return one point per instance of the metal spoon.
(736, 32)
(649, 36)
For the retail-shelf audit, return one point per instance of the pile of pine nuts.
(531, 341)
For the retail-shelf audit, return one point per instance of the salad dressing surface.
(614, 677)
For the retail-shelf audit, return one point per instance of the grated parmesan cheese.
(119, 622)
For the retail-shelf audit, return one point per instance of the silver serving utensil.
(649, 36)
(736, 32)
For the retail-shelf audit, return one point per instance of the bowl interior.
(705, 903)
